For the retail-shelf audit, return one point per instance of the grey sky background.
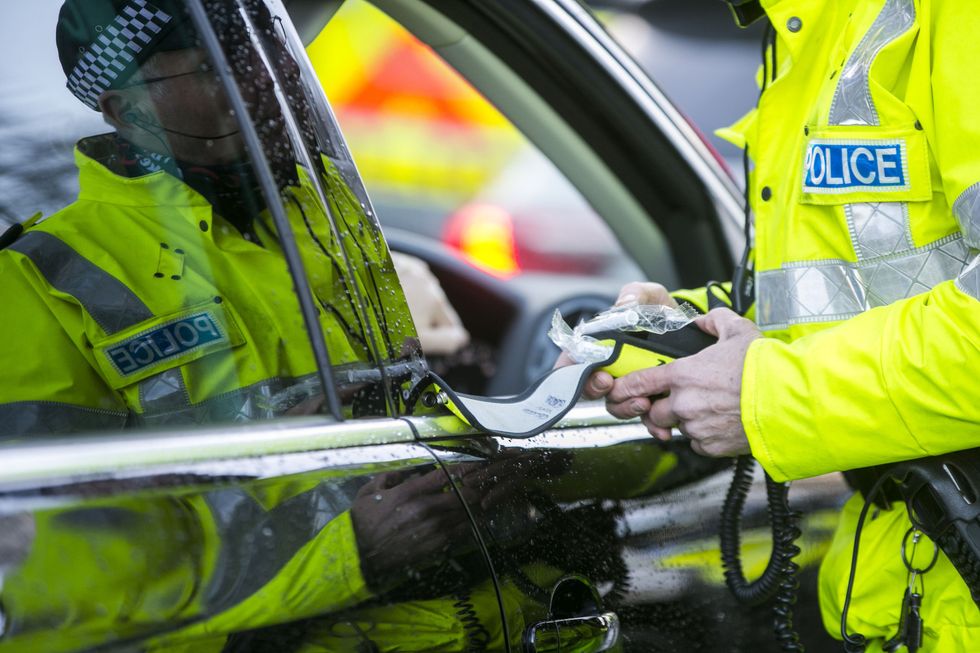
(39, 119)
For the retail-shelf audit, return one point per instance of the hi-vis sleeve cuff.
(323, 577)
(752, 404)
(821, 403)
(895, 383)
(698, 297)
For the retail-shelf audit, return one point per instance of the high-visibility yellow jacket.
(866, 195)
(139, 304)
(247, 558)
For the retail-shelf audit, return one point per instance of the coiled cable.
(477, 636)
(779, 582)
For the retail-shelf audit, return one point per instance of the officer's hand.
(403, 522)
(699, 394)
(644, 293)
(309, 406)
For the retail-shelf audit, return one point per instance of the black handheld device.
(942, 496)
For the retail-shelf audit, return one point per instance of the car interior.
(631, 174)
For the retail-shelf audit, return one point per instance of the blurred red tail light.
(484, 234)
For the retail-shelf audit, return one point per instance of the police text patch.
(165, 342)
(848, 165)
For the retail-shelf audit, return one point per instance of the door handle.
(590, 634)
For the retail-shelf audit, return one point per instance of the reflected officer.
(161, 296)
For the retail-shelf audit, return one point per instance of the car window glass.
(149, 286)
(442, 162)
(365, 320)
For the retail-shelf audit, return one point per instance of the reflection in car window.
(160, 294)
(367, 552)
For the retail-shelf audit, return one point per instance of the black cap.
(101, 43)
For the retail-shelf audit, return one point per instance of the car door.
(599, 536)
(243, 482)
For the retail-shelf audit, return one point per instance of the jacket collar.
(111, 172)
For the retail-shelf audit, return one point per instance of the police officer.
(866, 197)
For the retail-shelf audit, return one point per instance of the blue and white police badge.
(837, 166)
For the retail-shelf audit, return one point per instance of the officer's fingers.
(383, 481)
(598, 385)
(443, 508)
(662, 415)
(433, 482)
(644, 292)
(564, 360)
(697, 448)
(498, 494)
(647, 382)
(658, 432)
(632, 407)
(724, 323)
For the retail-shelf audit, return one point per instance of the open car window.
(458, 184)
(444, 163)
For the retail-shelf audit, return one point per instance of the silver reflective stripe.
(169, 404)
(852, 103)
(879, 228)
(966, 210)
(111, 304)
(51, 417)
(824, 291)
(164, 392)
(889, 267)
(969, 279)
(882, 228)
(255, 543)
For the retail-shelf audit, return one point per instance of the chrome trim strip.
(831, 290)
(52, 417)
(110, 303)
(69, 458)
(588, 419)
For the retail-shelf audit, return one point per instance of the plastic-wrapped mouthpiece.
(583, 348)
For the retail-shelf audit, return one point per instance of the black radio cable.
(779, 582)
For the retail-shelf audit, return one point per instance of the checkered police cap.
(101, 43)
